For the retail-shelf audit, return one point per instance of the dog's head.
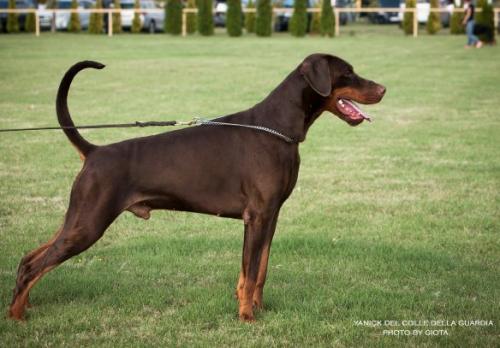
(335, 80)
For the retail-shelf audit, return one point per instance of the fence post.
(184, 23)
(37, 24)
(53, 22)
(110, 23)
(415, 22)
(273, 19)
(495, 20)
(337, 24)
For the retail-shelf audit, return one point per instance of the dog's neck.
(291, 108)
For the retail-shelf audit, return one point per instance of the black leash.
(194, 121)
(113, 125)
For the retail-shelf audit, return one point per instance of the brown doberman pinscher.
(229, 171)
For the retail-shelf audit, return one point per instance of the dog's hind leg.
(33, 255)
(89, 214)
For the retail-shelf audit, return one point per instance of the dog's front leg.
(264, 259)
(257, 228)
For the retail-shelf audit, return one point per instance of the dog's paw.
(247, 317)
(14, 315)
(257, 304)
(246, 312)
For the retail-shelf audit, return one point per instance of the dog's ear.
(317, 74)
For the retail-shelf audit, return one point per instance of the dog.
(236, 172)
(487, 33)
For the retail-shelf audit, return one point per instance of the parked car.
(423, 7)
(45, 16)
(283, 18)
(151, 21)
(386, 17)
(61, 21)
(220, 11)
(345, 17)
(20, 4)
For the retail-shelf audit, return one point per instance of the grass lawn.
(395, 220)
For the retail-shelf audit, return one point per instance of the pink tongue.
(352, 110)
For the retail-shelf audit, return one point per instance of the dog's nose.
(381, 90)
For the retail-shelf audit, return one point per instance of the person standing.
(472, 40)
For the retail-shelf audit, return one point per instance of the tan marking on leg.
(16, 311)
(43, 247)
(246, 302)
(239, 287)
(39, 252)
(261, 279)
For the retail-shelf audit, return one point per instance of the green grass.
(394, 220)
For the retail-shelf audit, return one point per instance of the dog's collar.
(200, 121)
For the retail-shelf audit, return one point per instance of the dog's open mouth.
(351, 113)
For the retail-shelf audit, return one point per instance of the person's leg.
(472, 39)
(468, 28)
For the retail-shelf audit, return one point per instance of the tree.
(30, 24)
(12, 19)
(74, 25)
(234, 18)
(298, 22)
(250, 18)
(117, 18)
(96, 21)
(485, 19)
(173, 17)
(316, 20)
(191, 18)
(327, 19)
(264, 18)
(408, 17)
(433, 24)
(205, 18)
(456, 19)
(136, 22)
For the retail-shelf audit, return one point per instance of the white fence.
(185, 11)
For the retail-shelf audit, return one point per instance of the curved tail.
(63, 116)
